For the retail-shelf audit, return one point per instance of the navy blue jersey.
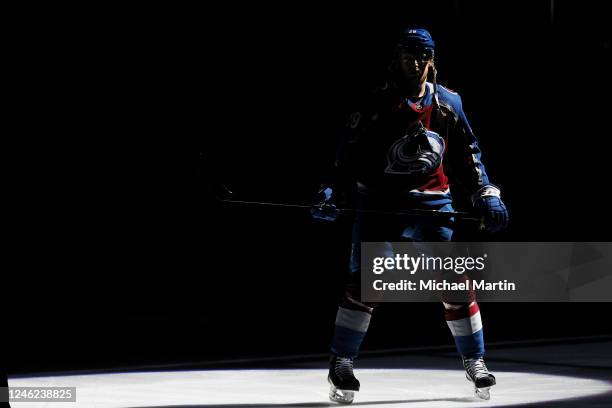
(383, 119)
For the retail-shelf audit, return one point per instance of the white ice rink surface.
(306, 388)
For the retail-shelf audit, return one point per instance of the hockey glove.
(487, 202)
(325, 209)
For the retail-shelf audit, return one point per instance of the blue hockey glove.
(488, 202)
(325, 209)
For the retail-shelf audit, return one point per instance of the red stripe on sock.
(457, 314)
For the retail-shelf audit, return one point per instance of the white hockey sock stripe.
(466, 326)
(353, 319)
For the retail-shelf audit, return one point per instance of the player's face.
(415, 67)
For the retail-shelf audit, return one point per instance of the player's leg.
(353, 316)
(463, 318)
(352, 319)
(465, 323)
(352, 322)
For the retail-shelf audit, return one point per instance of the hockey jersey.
(384, 119)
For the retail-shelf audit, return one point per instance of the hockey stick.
(414, 212)
(222, 192)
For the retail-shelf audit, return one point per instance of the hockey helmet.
(417, 40)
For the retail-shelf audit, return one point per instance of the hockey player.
(404, 149)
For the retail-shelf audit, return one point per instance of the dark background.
(123, 257)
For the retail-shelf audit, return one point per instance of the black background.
(122, 255)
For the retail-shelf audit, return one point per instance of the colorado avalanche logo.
(417, 154)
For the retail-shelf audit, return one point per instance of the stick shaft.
(413, 212)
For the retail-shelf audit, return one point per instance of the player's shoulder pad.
(374, 97)
(450, 98)
(382, 89)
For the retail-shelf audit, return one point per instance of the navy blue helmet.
(418, 40)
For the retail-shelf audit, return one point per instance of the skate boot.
(476, 372)
(343, 383)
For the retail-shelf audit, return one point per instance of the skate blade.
(340, 396)
(482, 393)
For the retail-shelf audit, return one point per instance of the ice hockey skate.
(343, 383)
(477, 373)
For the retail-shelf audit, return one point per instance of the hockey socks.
(351, 327)
(465, 324)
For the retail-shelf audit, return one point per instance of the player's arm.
(468, 170)
(338, 184)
